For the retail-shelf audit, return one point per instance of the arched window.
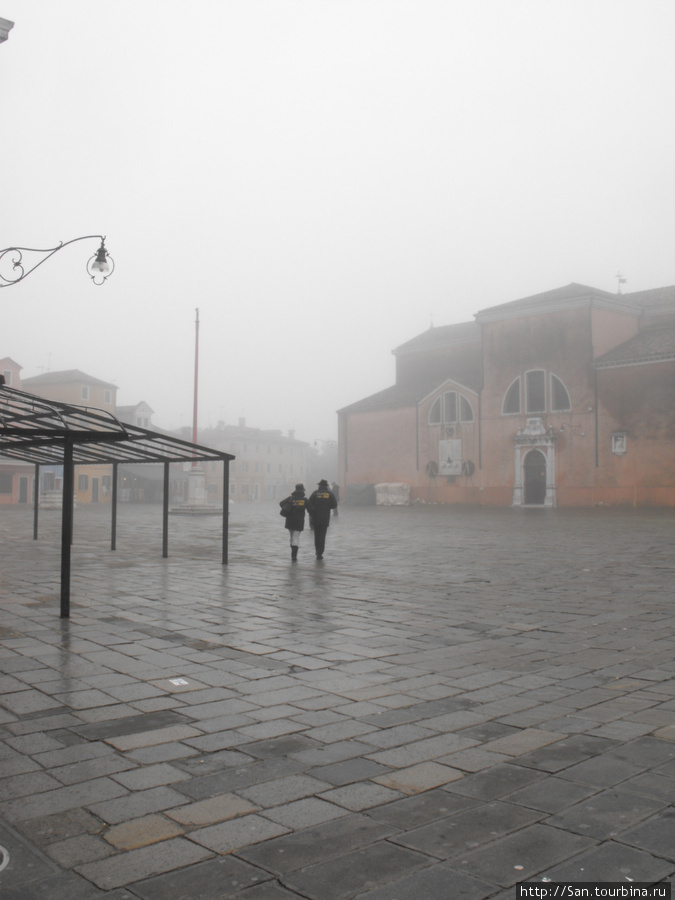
(465, 409)
(450, 408)
(535, 391)
(560, 399)
(511, 402)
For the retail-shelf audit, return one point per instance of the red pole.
(196, 394)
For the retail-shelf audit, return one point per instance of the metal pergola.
(47, 432)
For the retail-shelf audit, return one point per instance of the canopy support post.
(113, 522)
(67, 525)
(36, 500)
(226, 507)
(165, 513)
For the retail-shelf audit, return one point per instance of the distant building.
(268, 463)
(93, 484)
(565, 398)
(17, 479)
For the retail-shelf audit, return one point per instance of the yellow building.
(93, 484)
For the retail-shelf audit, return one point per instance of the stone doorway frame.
(534, 436)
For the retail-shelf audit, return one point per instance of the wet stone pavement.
(451, 702)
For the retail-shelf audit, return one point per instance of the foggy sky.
(322, 179)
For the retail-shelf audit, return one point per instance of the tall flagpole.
(196, 394)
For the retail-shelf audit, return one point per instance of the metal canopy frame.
(49, 432)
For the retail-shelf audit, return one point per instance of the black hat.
(299, 487)
(323, 481)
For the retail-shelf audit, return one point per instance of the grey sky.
(320, 178)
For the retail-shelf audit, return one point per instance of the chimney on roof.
(242, 423)
(291, 433)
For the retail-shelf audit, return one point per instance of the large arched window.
(535, 391)
(450, 408)
(560, 399)
(537, 398)
(511, 402)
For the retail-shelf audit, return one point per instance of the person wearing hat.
(319, 505)
(293, 509)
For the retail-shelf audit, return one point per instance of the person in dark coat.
(295, 505)
(320, 504)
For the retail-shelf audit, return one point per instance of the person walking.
(293, 508)
(319, 505)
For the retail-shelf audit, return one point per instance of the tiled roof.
(442, 336)
(650, 345)
(397, 396)
(570, 292)
(663, 296)
(65, 377)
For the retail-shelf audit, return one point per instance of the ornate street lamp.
(99, 267)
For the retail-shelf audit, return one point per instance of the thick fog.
(322, 179)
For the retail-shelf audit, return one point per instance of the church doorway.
(535, 478)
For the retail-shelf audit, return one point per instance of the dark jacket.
(320, 504)
(295, 521)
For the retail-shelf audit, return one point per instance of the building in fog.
(565, 398)
(17, 479)
(268, 463)
(93, 484)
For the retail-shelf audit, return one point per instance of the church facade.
(565, 398)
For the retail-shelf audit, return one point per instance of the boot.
(294, 554)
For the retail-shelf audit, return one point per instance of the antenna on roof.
(621, 280)
(431, 319)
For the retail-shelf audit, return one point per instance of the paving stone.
(141, 832)
(645, 752)
(25, 864)
(126, 868)
(162, 753)
(567, 752)
(208, 812)
(137, 804)
(360, 796)
(607, 814)
(312, 845)
(656, 835)
(519, 856)
(61, 886)
(422, 777)
(413, 812)
(283, 790)
(612, 861)
(495, 782)
(236, 833)
(151, 776)
(600, 771)
(355, 872)
(150, 738)
(47, 830)
(422, 751)
(210, 880)
(65, 798)
(420, 658)
(269, 890)
(454, 835)
(77, 850)
(551, 794)
(22, 785)
(234, 780)
(304, 813)
(349, 771)
(651, 784)
(286, 745)
(433, 883)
